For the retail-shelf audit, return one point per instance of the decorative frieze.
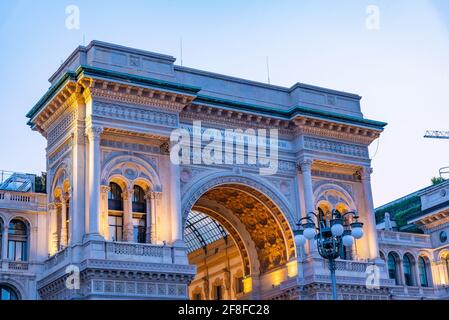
(117, 111)
(347, 149)
(137, 147)
(60, 152)
(61, 127)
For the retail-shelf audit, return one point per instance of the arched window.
(139, 202)
(422, 266)
(139, 219)
(407, 265)
(8, 293)
(17, 241)
(115, 200)
(392, 268)
(115, 217)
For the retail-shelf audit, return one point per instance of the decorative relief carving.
(61, 127)
(135, 114)
(334, 176)
(58, 154)
(137, 147)
(335, 147)
(94, 132)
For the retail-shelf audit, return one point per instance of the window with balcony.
(17, 241)
(139, 202)
(422, 266)
(407, 266)
(115, 199)
(393, 268)
(139, 224)
(115, 227)
(115, 212)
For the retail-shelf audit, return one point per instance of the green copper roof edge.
(290, 113)
(89, 70)
(69, 75)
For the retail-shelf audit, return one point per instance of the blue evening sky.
(401, 70)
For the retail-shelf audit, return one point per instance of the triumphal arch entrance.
(166, 182)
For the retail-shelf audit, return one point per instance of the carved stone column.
(4, 232)
(128, 228)
(93, 134)
(175, 203)
(305, 167)
(64, 231)
(104, 224)
(53, 232)
(151, 219)
(78, 209)
(148, 221)
(370, 220)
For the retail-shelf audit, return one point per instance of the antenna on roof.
(181, 49)
(84, 39)
(268, 71)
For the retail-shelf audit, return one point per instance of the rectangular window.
(115, 228)
(239, 285)
(17, 250)
(218, 293)
(139, 229)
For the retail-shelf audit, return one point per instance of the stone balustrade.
(121, 251)
(403, 238)
(8, 266)
(23, 200)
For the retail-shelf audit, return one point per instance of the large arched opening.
(240, 242)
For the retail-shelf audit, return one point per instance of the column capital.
(65, 196)
(51, 206)
(105, 189)
(364, 173)
(127, 194)
(157, 195)
(165, 147)
(304, 165)
(94, 132)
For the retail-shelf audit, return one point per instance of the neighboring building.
(413, 238)
(133, 225)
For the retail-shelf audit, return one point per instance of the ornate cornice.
(325, 128)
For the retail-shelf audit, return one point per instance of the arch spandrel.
(133, 170)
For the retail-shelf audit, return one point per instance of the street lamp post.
(332, 233)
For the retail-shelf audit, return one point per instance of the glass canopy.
(202, 230)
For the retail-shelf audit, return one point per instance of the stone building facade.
(120, 220)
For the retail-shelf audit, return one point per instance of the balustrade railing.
(387, 236)
(134, 249)
(22, 198)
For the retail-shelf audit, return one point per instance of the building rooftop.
(128, 65)
(22, 182)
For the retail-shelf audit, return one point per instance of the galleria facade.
(115, 218)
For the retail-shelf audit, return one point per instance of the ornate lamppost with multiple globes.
(332, 234)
